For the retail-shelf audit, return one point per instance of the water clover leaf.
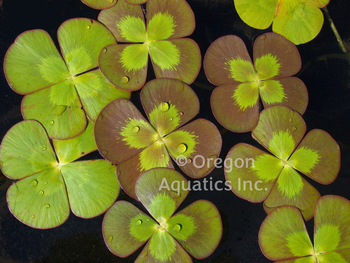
(274, 178)
(160, 38)
(49, 187)
(61, 90)
(283, 236)
(235, 102)
(196, 229)
(125, 137)
(299, 21)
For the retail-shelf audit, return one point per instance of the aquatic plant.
(104, 4)
(227, 64)
(172, 56)
(283, 236)
(61, 90)
(274, 178)
(49, 186)
(299, 21)
(125, 137)
(196, 229)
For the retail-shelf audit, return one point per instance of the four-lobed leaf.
(49, 187)
(196, 229)
(274, 178)
(160, 38)
(300, 21)
(125, 137)
(61, 90)
(241, 83)
(283, 236)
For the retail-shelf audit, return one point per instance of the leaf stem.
(334, 29)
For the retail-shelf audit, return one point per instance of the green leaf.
(332, 218)
(279, 130)
(317, 156)
(267, 66)
(283, 235)
(26, 150)
(33, 63)
(162, 246)
(95, 92)
(112, 67)
(207, 147)
(130, 170)
(167, 16)
(123, 228)
(134, 57)
(342, 256)
(161, 26)
(250, 172)
(100, 4)
(163, 249)
(218, 56)
(197, 228)
(289, 182)
(164, 54)
(39, 201)
(241, 70)
(284, 55)
(72, 149)
(135, 2)
(91, 185)
(298, 21)
(132, 29)
(81, 42)
(183, 52)
(161, 191)
(246, 95)
(113, 17)
(228, 112)
(272, 92)
(114, 131)
(258, 14)
(165, 97)
(63, 116)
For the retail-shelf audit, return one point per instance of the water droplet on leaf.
(181, 148)
(163, 155)
(181, 113)
(100, 117)
(177, 228)
(136, 129)
(124, 79)
(171, 119)
(294, 128)
(290, 120)
(110, 238)
(88, 27)
(165, 106)
(139, 222)
(41, 192)
(175, 194)
(189, 160)
(45, 183)
(52, 122)
(47, 205)
(34, 183)
(44, 148)
(104, 153)
(104, 50)
(33, 216)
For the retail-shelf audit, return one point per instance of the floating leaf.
(61, 91)
(257, 176)
(161, 191)
(100, 4)
(298, 21)
(172, 57)
(283, 235)
(48, 188)
(124, 137)
(235, 102)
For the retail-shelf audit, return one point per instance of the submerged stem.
(334, 29)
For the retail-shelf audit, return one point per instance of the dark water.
(326, 73)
